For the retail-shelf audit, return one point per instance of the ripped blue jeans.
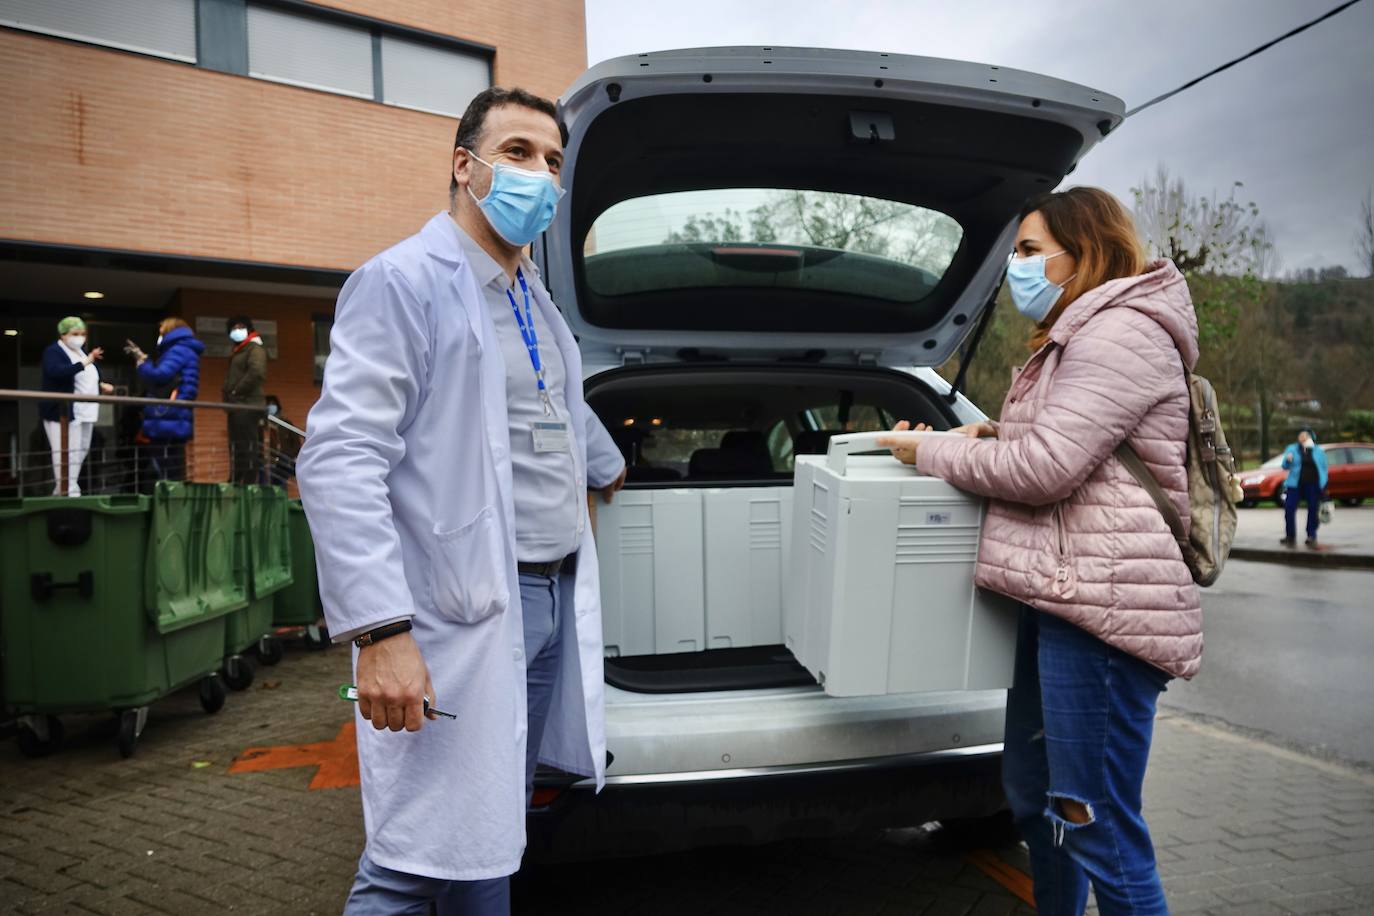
(1080, 716)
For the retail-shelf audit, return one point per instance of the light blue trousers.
(379, 891)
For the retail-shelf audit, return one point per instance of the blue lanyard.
(527, 333)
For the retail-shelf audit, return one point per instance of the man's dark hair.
(238, 320)
(474, 120)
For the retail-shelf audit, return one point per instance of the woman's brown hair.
(169, 323)
(1098, 232)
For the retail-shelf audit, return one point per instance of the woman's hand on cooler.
(902, 450)
(983, 429)
(905, 452)
(106, 388)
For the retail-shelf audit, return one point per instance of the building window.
(431, 78)
(284, 42)
(308, 51)
(322, 326)
(165, 28)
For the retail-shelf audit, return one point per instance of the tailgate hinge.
(866, 357)
(632, 357)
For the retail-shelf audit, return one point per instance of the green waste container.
(89, 622)
(298, 605)
(263, 514)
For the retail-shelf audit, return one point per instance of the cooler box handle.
(846, 444)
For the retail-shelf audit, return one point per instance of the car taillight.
(542, 798)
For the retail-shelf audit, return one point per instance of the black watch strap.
(382, 632)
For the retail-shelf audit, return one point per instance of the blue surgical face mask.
(520, 204)
(1032, 292)
(238, 335)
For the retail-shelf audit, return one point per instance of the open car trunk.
(695, 553)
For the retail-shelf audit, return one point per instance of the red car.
(1350, 475)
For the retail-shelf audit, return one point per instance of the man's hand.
(97, 353)
(392, 684)
(608, 492)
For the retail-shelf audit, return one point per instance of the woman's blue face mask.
(1032, 292)
(521, 203)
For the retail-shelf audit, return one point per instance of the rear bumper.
(650, 814)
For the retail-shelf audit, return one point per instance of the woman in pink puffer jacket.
(1110, 612)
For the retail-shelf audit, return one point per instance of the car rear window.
(822, 241)
(703, 424)
(1361, 455)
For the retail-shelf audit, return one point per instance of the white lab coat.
(406, 478)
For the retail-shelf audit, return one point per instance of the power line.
(1229, 64)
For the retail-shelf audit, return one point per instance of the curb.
(1323, 559)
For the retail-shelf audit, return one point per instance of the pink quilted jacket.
(1069, 530)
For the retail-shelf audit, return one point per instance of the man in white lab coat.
(444, 475)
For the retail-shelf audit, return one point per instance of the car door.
(1337, 472)
(1359, 468)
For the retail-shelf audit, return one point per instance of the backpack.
(1213, 488)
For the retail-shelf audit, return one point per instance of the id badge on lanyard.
(551, 434)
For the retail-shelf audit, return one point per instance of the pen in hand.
(350, 692)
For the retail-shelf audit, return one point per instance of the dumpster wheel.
(131, 722)
(239, 671)
(212, 694)
(270, 650)
(39, 736)
(317, 636)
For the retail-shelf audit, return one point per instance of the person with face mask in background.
(445, 475)
(69, 369)
(1109, 611)
(172, 374)
(243, 384)
(1305, 462)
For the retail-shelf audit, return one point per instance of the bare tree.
(1267, 261)
(1364, 235)
(1218, 235)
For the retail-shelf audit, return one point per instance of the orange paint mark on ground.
(1009, 876)
(336, 760)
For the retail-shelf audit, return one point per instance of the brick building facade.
(224, 176)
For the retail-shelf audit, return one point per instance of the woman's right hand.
(980, 430)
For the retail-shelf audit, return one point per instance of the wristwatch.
(382, 632)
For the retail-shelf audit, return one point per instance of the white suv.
(761, 247)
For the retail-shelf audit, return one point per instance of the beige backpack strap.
(1133, 462)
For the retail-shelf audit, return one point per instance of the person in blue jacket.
(175, 375)
(68, 368)
(1306, 465)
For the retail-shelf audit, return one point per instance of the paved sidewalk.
(1242, 828)
(1348, 541)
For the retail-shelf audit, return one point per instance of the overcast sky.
(1295, 124)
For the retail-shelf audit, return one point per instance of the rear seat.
(743, 455)
(631, 445)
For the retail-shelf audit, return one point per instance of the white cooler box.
(683, 570)
(881, 597)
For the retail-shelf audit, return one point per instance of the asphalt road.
(1289, 653)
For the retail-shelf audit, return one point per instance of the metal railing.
(133, 465)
